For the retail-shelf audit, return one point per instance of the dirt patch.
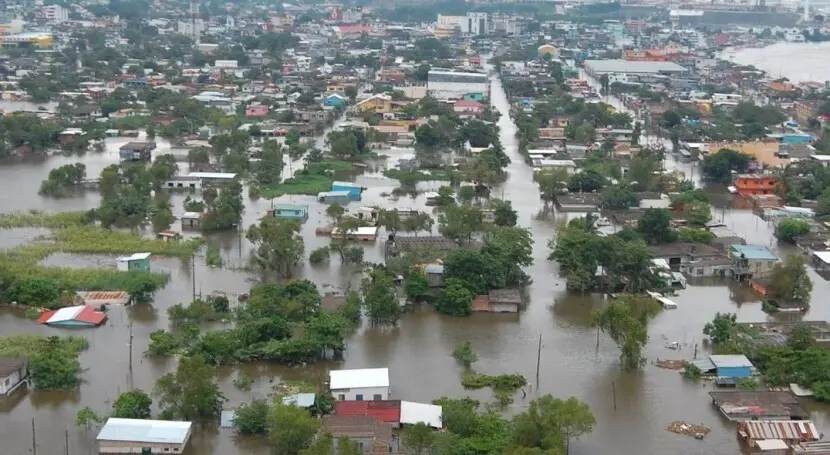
(763, 151)
(689, 429)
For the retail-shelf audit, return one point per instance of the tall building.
(479, 23)
(187, 27)
(56, 13)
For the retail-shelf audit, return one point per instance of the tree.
(459, 222)
(416, 287)
(328, 331)
(86, 417)
(252, 418)
(292, 429)
(34, 291)
(635, 135)
(790, 228)
(586, 182)
(335, 212)
(697, 213)
(269, 168)
(418, 439)
(823, 207)
(134, 404)
(655, 226)
(504, 214)
(618, 197)
(721, 329)
(625, 321)
(551, 182)
(718, 167)
(789, 281)
(465, 354)
(455, 299)
(379, 298)
(55, 366)
(191, 392)
(390, 220)
(279, 245)
(351, 92)
(549, 424)
(691, 235)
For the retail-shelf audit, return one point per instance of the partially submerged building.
(360, 384)
(139, 436)
(743, 405)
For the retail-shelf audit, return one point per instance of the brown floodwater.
(418, 350)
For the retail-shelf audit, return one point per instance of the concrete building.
(479, 23)
(360, 384)
(56, 13)
(455, 84)
(13, 371)
(143, 436)
(191, 28)
(751, 261)
(598, 67)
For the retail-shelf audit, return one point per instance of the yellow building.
(379, 104)
(40, 40)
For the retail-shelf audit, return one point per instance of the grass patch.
(502, 382)
(313, 179)
(36, 218)
(30, 345)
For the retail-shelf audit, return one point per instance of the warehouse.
(597, 67)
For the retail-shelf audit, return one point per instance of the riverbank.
(798, 62)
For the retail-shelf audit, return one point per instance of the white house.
(143, 436)
(370, 384)
(13, 371)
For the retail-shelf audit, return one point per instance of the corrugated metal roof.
(385, 411)
(303, 400)
(138, 430)
(430, 414)
(703, 365)
(730, 361)
(799, 430)
(81, 313)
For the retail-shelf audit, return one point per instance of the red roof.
(88, 315)
(468, 103)
(385, 411)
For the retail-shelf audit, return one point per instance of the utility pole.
(131, 351)
(66, 440)
(34, 439)
(193, 274)
(538, 360)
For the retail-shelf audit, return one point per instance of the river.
(798, 62)
(418, 351)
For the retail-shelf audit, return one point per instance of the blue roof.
(755, 252)
(334, 193)
(303, 400)
(138, 430)
(434, 268)
(303, 208)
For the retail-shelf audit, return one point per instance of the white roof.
(358, 378)
(66, 314)
(412, 413)
(823, 256)
(771, 444)
(150, 431)
(134, 257)
(212, 175)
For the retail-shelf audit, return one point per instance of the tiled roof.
(385, 411)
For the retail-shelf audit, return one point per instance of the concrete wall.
(368, 393)
(115, 447)
(9, 382)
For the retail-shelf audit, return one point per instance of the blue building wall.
(353, 190)
(734, 372)
(796, 139)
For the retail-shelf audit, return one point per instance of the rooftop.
(356, 378)
(754, 252)
(357, 427)
(385, 411)
(150, 431)
(750, 404)
(730, 361)
(634, 67)
(9, 365)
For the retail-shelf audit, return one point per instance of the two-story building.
(751, 261)
(360, 384)
(751, 184)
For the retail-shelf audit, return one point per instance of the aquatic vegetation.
(36, 218)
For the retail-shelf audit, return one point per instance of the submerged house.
(139, 436)
(726, 368)
(136, 261)
(290, 212)
(137, 151)
(73, 316)
(360, 384)
(13, 372)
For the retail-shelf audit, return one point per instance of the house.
(136, 151)
(360, 384)
(290, 212)
(413, 413)
(821, 261)
(498, 301)
(192, 220)
(725, 367)
(334, 100)
(334, 197)
(98, 298)
(86, 112)
(751, 261)
(707, 268)
(73, 316)
(378, 104)
(302, 400)
(468, 108)
(385, 411)
(810, 448)
(143, 436)
(751, 184)
(13, 372)
(680, 255)
(741, 405)
(434, 274)
(259, 110)
(136, 261)
(354, 190)
(399, 245)
(362, 234)
(578, 202)
(790, 432)
(370, 434)
(724, 237)
(69, 135)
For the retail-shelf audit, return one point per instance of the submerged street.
(418, 351)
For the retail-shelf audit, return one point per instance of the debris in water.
(689, 429)
(670, 364)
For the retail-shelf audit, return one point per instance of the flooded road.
(418, 351)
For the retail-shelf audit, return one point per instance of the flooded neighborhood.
(348, 220)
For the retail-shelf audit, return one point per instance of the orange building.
(751, 185)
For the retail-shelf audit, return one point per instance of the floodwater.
(799, 62)
(418, 351)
